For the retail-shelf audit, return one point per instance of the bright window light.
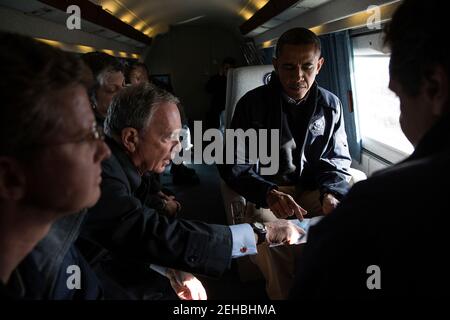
(378, 107)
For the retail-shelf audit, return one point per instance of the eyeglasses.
(95, 134)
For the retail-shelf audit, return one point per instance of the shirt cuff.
(161, 270)
(244, 242)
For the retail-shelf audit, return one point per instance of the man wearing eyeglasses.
(50, 155)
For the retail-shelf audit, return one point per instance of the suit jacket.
(388, 231)
(122, 224)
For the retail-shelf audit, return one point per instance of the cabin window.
(378, 107)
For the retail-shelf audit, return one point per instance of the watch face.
(260, 230)
(259, 226)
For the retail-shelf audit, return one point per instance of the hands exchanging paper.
(283, 205)
(185, 285)
(283, 232)
(294, 238)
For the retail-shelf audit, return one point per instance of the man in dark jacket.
(139, 73)
(50, 155)
(314, 157)
(142, 126)
(109, 79)
(388, 237)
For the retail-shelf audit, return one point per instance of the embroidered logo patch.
(317, 126)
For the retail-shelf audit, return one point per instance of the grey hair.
(133, 107)
(99, 81)
(100, 64)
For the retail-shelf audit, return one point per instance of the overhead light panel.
(81, 48)
(189, 20)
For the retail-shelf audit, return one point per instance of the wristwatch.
(260, 230)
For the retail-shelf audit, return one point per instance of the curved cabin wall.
(331, 17)
(15, 21)
(190, 55)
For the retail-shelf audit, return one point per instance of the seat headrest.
(242, 80)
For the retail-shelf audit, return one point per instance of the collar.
(125, 162)
(294, 102)
(276, 85)
(15, 286)
(435, 140)
(27, 281)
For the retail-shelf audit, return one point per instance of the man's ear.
(436, 90)
(130, 139)
(12, 179)
(275, 64)
(320, 64)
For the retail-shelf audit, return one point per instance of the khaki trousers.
(277, 264)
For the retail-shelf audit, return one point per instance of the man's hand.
(185, 285)
(283, 231)
(329, 203)
(283, 205)
(164, 196)
(172, 206)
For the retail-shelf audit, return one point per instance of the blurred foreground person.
(50, 155)
(388, 237)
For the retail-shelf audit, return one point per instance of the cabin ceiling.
(156, 16)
